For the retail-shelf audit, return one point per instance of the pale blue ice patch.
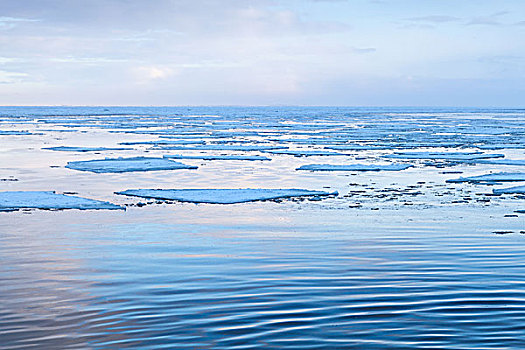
(360, 147)
(223, 196)
(165, 142)
(443, 155)
(515, 162)
(355, 167)
(14, 200)
(210, 157)
(120, 165)
(221, 148)
(510, 190)
(85, 149)
(17, 133)
(495, 177)
(502, 146)
(305, 153)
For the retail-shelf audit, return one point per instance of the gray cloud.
(434, 19)
(491, 20)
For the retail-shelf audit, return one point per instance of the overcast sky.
(263, 52)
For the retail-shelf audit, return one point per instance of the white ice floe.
(496, 177)
(13, 132)
(360, 147)
(222, 196)
(208, 157)
(165, 142)
(502, 146)
(14, 200)
(516, 190)
(459, 156)
(120, 165)
(221, 148)
(517, 162)
(355, 167)
(85, 149)
(305, 153)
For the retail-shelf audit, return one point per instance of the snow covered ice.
(511, 190)
(443, 155)
(14, 200)
(120, 165)
(495, 177)
(222, 157)
(85, 149)
(222, 196)
(305, 153)
(355, 167)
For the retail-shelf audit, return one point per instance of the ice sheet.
(165, 142)
(119, 165)
(516, 189)
(495, 177)
(305, 153)
(85, 149)
(222, 196)
(221, 148)
(516, 162)
(444, 155)
(14, 200)
(13, 132)
(209, 157)
(354, 167)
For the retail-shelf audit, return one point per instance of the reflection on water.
(302, 275)
(126, 284)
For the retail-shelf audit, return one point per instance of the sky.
(263, 52)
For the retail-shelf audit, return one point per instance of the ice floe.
(516, 162)
(85, 149)
(222, 196)
(514, 190)
(17, 133)
(13, 200)
(305, 153)
(360, 147)
(443, 155)
(120, 165)
(498, 147)
(495, 177)
(221, 148)
(165, 142)
(355, 167)
(209, 157)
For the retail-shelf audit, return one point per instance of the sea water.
(398, 259)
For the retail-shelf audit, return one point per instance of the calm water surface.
(369, 269)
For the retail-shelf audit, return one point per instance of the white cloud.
(146, 74)
(12, 77)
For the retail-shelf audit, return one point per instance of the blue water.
(371, 269)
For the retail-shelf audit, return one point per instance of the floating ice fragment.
(165, 142)
(514, 190)
(496, 177)
(360, 147)
(222, 196)
(355, 167)
(305, 153)
(14, 132)
(120, 165)
(502, 146)
(14, 200)
(221, 148)
(85, 149)
(517, 162)
(208, 157)
(443, 155)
